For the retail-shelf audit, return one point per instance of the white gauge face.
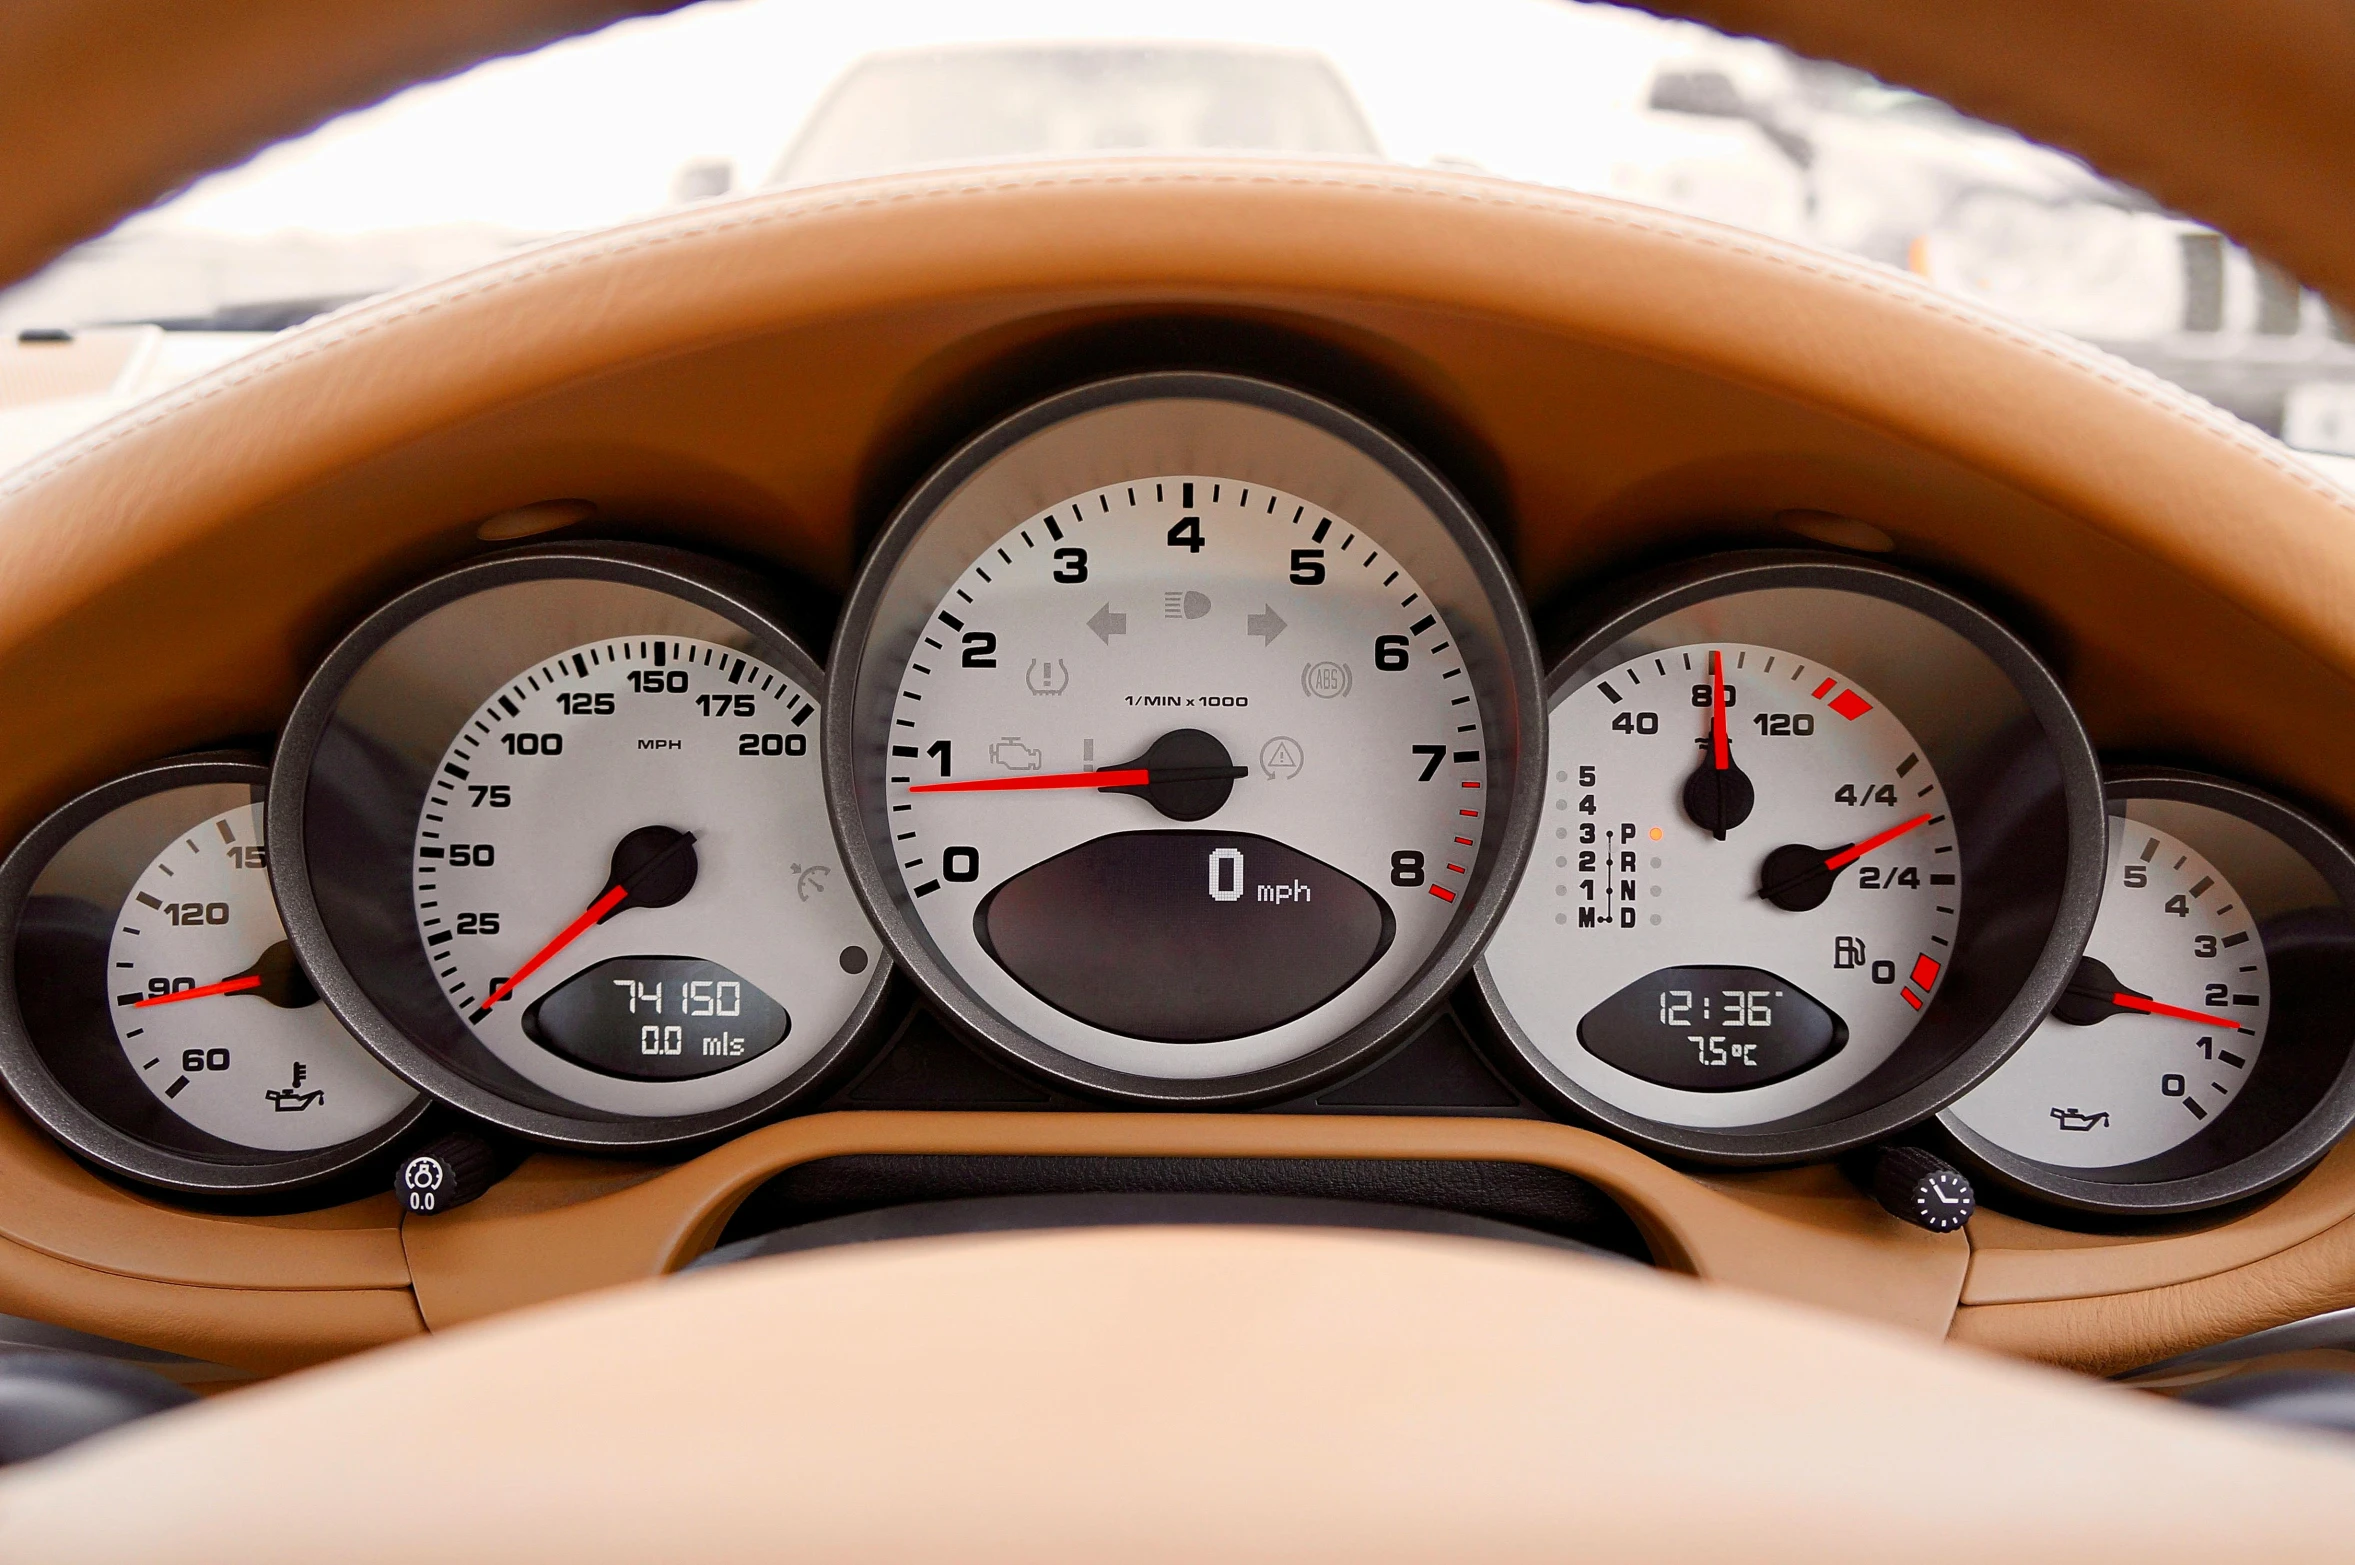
(644, 819)
(1729, 980)
(215, 1017)
(2169, 1045)
(1186, 627)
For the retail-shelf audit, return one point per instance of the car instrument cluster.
(1186, 741)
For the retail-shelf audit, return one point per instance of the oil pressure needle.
(2095, 994)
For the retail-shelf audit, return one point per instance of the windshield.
(731, 95)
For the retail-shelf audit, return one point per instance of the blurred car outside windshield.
(718, 98)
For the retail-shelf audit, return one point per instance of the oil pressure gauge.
(2199, 1053)
(1819, 844)
(155, 1016)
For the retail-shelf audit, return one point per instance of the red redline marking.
(1474, 814)
(1826, 685)
(1911, 998)
(1850, 705)
(1471, 785)
(1463, 842)
(1925, 972)
(1458, 868)
(206, 991)
(1442, 893)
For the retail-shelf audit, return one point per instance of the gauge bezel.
(2160, 1185)
(1902, 1090)
(452, 1065)
(1475, 591)
(88, 1128)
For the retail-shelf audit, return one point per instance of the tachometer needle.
(1186, 774)
(1718, 796)
(275, 976)
(1797, 877)
(654, 864)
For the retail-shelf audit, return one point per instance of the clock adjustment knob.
(1920, 1187)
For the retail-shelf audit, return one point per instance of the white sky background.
(590, 131)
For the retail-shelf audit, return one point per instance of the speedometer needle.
(654, 864)
(1796, 877)
(1718, 796)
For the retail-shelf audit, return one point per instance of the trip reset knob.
(1922, 1188)
(446, 1173)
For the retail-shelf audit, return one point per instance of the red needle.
(2136, 1002)
(1131, 777)
(225, 986)
(1849, 855)
(1722, 753)
(572, 931)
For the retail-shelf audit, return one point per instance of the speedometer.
(553, 841)
(1821, 843)
(1178, 734)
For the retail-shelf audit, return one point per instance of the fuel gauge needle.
(1797, 877)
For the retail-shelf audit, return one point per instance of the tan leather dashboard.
(767, 376)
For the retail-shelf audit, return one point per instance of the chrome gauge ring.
(554, 844)
(1179, 736)
(1821, 842)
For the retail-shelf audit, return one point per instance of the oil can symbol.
(1047, 677)
(1327, 680)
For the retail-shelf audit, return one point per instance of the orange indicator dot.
(1655, 834)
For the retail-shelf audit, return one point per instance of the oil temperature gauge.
(2196, 1056)
(156, 1018)
(1819, 843)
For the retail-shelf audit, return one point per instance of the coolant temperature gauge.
(1803, 869)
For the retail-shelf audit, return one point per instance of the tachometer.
(1819, 844)
(1177, 733)
(560, 849)
(2200, 1053)
(156, 1018)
